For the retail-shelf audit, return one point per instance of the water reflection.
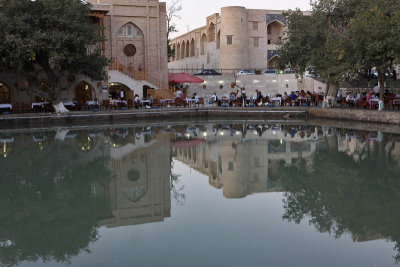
(65, 184)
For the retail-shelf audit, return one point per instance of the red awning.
(183, 78)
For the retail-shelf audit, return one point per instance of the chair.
(239, 102)
(130, 104)
(26, 107)
(105, 104)
(201, 102)
(16, 108)
(179, 102)
(362, 102)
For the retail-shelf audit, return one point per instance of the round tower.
(234, 38)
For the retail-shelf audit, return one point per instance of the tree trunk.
(54, 94)
(381, 79)
(331, 93)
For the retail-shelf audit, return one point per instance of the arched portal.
(203, 44)
(84, 92)
(130, 47)
(5, 94)
(187, 48)
(219, 39)
(173, 58)
(273, 63)
(192, 54)
(177, 52)
(275, 32)
(211, 32)
(183, 50)
(114, 89)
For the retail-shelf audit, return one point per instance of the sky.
(194, 12)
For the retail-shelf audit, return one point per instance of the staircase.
(137, 75)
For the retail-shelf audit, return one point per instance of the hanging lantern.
(26, 84)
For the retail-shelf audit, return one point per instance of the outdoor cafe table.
(277, 99)
(168, 101)
(39, 104)
(191, 101)
(9, 106)
(113, 102)
(373, 102)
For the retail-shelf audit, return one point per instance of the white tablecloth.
(276, 99)
(113, 102)
(39, 104)
(92, 103)
(166, 100)
(6, 106)
(69, 104)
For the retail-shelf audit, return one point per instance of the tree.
(373, 37)
(314, 41)
(173, 10)
(47, 209)
(53, 35)
(344, 38)
(338, 194)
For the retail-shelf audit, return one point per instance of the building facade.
(135, 40)
(235, 39)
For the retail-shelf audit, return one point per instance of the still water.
(211, 194)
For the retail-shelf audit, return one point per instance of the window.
(255, 25)
(139, 34)
(129, 30)
(229, 39)
(230, 166)
(120, 32)
(256, 42)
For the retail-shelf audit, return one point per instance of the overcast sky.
(194, 12)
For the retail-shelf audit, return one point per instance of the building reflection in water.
(122, 176)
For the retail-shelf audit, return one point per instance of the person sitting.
(350, 100)
(215, 99)
(232, 99)
(179, 93)
(284, 98)
(137, 101)
(292, 97)
(151, 99)
(196, 98)
(309, 98)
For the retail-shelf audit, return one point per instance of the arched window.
(5, 96)
(130, 31)
(275, 32)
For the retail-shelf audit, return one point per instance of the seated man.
(350, 100)
(137, 101)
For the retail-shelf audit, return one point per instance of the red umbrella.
(183, 78)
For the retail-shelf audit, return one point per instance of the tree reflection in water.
(47, 211)
(339, 194)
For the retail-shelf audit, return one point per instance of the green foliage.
(338, 194)
(342, 38)
(47, 209)
(52, 34)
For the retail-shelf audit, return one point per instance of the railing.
(137, 75)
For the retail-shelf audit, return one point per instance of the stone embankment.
(131, 116)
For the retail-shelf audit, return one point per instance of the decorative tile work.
(278, 17)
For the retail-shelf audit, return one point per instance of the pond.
(206, 194)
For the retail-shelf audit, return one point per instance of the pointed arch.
(219, 40)
(211, 32)
(187, 49)
(178, 52)
(84, 92)
(273, 62)
(5, 94)
(130, 30)
(203, 42)
(183, 46)
(192, 47)
(275, 31)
